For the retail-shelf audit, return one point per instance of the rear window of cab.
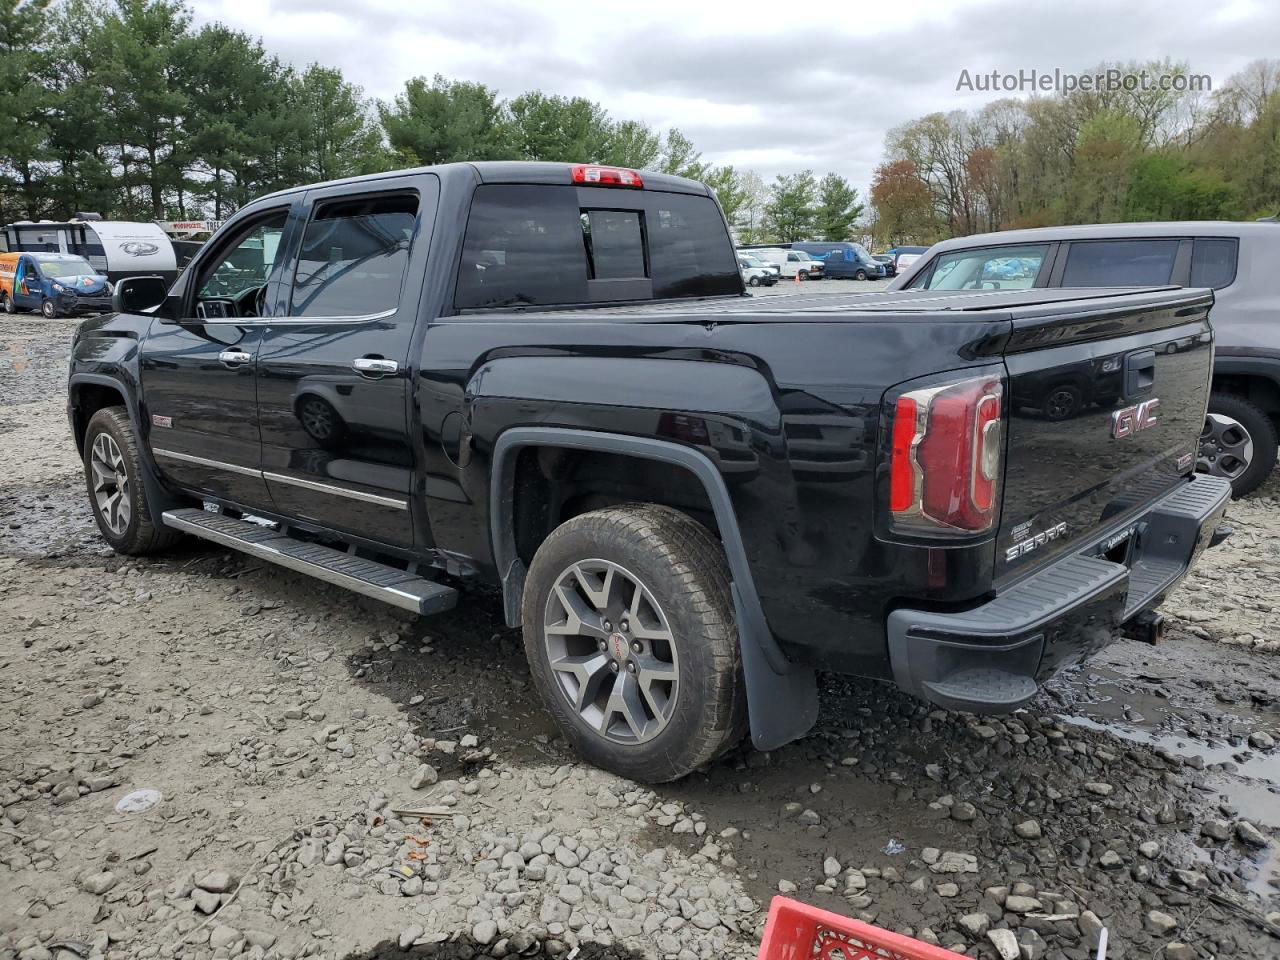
(541, 245)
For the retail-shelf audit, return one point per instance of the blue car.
(56, 284)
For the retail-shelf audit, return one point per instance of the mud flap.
(781, 707)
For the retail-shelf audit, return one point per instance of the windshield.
(751, 261)
(67, 267)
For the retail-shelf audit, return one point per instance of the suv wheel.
(48, 309)
(1238, 442)
(629, 631)
(113, 476)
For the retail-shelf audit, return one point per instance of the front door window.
(234, 284)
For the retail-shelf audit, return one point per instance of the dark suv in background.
(1236, 260)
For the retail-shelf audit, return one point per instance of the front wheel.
(803, 275)
(860, 275)
(630, 635)
(48, 309)
(754, 281)
(1238, 443)
(113, 476)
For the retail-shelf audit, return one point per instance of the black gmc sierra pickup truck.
(549, 377)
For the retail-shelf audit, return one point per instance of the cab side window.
(353, 256)
(233, 283)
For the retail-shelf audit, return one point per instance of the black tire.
(803, 274)
(682, 567)
(1062, 402)
(7, 302)
(142, 533)
(860, 275)
(48, 309)
(754, 282)
(1262, 431)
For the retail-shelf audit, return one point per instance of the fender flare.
(782, 698)
(157, 495)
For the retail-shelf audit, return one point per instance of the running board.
(389, 584)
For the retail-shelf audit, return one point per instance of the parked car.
(792, 264)
(904, 257)
(755, 272)
(1235, 260)
(690, 500)
(750, 257)
(54, 284)
(887, 261)
(845, 260)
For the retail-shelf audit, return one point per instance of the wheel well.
(1259, 390)
(555, 484)
(86, 400)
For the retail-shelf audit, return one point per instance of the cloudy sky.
(777, 87)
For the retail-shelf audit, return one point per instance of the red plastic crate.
(795, 931)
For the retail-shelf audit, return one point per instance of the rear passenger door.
(334, 365)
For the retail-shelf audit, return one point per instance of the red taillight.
(606, 176)
(946, 448)
(902, 475)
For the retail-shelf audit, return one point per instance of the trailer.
(117, 248)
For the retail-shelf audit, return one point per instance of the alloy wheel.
(611, 650)
(111, 492)
(1226, 448)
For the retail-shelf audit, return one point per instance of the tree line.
(125, 108)
(1086, 157)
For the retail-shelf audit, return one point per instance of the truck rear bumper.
(993, 658)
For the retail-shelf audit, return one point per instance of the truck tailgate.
(1106, 405)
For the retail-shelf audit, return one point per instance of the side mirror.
(139, 294)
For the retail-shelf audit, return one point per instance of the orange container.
(795, 931)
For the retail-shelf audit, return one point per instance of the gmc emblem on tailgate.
(1132, 419)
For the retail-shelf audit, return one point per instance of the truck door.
(198, 373)
(334, 369)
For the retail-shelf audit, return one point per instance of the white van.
(792, 263)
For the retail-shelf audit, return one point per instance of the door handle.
(234, 358)
(374, 367)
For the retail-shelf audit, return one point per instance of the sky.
(775, 87)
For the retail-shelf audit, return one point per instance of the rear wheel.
(113, 476)
(1238, 443)
(629, 631)
(9, 305)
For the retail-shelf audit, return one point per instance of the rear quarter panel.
(800, 397)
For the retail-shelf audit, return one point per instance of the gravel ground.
(337, 780)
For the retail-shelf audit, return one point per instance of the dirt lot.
(284, 724)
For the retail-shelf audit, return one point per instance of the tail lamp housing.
(594, 175)
(946, 457)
